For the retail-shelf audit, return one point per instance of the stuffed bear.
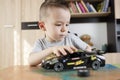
(86, 38)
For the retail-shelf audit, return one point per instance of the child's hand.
(62, 50)
(88, 48)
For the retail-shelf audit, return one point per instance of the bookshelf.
(89, 8)
(100, 14)
(88, 17)
(117, 21)
(114, 27)
(85, 0)
(117, 24)
(113, 24)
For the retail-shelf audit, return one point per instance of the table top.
(109, 72)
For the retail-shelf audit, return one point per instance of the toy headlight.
(49, 62)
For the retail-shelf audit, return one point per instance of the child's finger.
(74, 48)
(68, 49)
(56, 52)
(62, 51)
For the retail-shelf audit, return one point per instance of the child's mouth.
(62, 35)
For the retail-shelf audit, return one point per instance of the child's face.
(56, 24)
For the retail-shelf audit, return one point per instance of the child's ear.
(41, 25)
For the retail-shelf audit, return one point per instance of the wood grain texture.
(112, 58)
(30, 12)
(25, 73)
(10, 11)
(28, 39)
(117, 9)
(12, 39)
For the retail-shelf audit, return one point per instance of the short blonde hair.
(50, 4)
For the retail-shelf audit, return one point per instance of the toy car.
(76, 60)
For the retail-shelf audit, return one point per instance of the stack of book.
(86, 7)
(103, 6)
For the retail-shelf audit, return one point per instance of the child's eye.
(57, 24)
(67, 24)
(61, 24)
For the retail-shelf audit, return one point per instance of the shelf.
(118, 32)
(85, 0)
(118, 36)
(100, 14)
(118, 21)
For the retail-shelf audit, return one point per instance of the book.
(84, 6)
(105, 6)
(77, 5)
(94, 10)
(89, 8)
(73, 7)
(71, 11)
(99, 7)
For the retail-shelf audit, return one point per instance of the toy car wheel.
(58, 67)
(47, 66)
(95, 65)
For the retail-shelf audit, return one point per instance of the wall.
(14, 42)
(30, 12)
(97, 31)
(9, 24)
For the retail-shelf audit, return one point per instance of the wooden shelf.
(85, 0)
(100, 14)
(118, 35)
(108, 17)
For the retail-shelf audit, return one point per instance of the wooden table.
(36, 73)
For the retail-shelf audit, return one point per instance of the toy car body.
(76, 60)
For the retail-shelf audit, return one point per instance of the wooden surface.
(100, 14)
(112, 58)
(37, 73)
(117, 9)
(15, 44)
(12, 38)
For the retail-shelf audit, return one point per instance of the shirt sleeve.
(77, 42)
(37, 47)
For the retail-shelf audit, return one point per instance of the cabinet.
(114, 27)
(118, 34)
(117, 10)
(117, 23)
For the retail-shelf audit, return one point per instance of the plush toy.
(86, 38)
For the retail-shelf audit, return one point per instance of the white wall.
(97, 31)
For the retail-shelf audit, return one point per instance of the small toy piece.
(76, 60)
(84, 72)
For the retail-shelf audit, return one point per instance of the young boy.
(54, 21)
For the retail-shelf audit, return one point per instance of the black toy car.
(76, 60)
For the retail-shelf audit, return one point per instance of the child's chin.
(60, 39)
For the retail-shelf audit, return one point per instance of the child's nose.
(64, 29)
